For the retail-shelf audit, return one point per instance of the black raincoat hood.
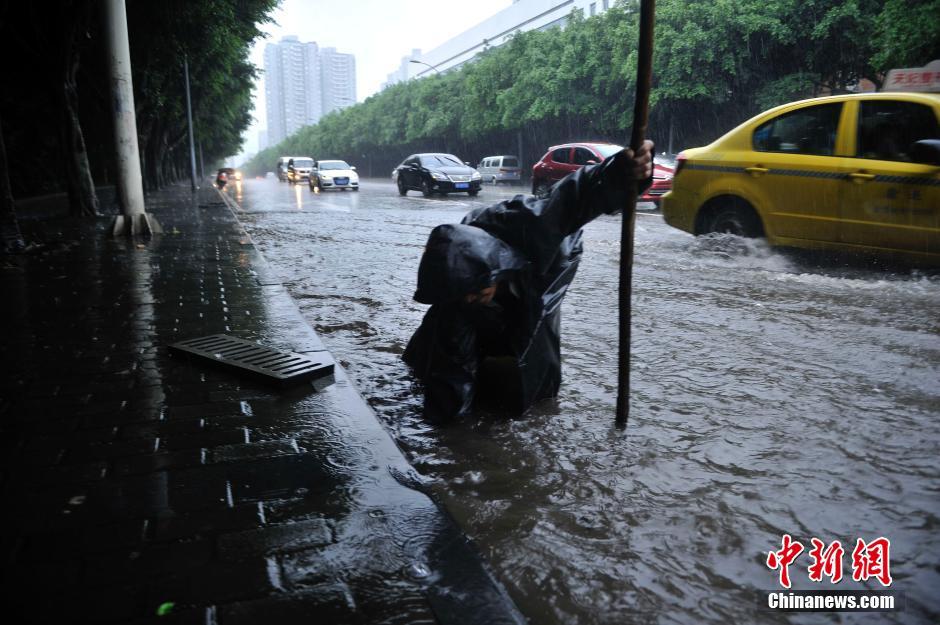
(461, 259)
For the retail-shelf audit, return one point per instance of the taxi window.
(887, 129)
(561, 155)
(810, 130)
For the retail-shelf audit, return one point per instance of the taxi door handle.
(756, 171)
(860, 177)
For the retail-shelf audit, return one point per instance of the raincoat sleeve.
(444, 356)
(537, 227)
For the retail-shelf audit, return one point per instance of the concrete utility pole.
(189, 120)
(130, 189)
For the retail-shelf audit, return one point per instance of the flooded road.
(770, 396)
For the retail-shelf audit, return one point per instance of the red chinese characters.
(913, 78)
(782, 559)
(872, 559)
(826, 561)
(869, 560)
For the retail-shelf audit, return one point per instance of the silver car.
(500, 169)
(298, 169)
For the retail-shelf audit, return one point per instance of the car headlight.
(326, 177)
(476, 176)
(438, 176)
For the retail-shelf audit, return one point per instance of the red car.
(664, 169)
(561, 160)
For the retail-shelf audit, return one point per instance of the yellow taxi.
(857, 172)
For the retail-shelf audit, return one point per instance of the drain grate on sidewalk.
(270, 365)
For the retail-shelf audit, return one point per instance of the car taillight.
(680, 164)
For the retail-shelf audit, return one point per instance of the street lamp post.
(427, 64)
(189, 123)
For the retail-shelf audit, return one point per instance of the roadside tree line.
(716, 63)
(55, 107)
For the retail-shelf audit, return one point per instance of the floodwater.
(771, 396)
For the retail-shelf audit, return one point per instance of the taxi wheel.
(426, 189)
(736, 218)
(542, 190)
(402, 190)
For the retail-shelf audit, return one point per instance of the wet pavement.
(141, 487)
(773, 393)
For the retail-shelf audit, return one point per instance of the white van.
(500, 169)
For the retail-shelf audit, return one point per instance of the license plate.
(341, 181)
(461, 185)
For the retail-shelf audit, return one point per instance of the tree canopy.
(56, 105)
(215, 37)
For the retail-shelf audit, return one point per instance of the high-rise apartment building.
(337, 79)
(302, 83)
(403, 72)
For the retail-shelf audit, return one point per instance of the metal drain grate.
(281, 368)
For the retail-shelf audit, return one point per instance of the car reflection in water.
(299, 196)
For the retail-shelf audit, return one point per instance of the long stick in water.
(644, 73)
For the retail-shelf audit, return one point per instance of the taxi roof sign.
(926, 78)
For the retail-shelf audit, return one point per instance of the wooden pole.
(644, 73)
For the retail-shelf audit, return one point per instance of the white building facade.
(302, 83)
(337, 79)
(520, 16)
(404, 70)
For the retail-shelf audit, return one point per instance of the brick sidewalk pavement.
(135, 481)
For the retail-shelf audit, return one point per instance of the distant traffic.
(854, 173)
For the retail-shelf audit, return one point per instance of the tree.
(48, 45)
(215, 36)
(906, 34)
(11, 239)
(54, 89)
(73, 18)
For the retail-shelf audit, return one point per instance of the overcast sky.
(377, 32)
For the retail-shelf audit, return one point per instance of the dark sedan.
(436, 173)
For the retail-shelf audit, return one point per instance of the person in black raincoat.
(495, 283)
